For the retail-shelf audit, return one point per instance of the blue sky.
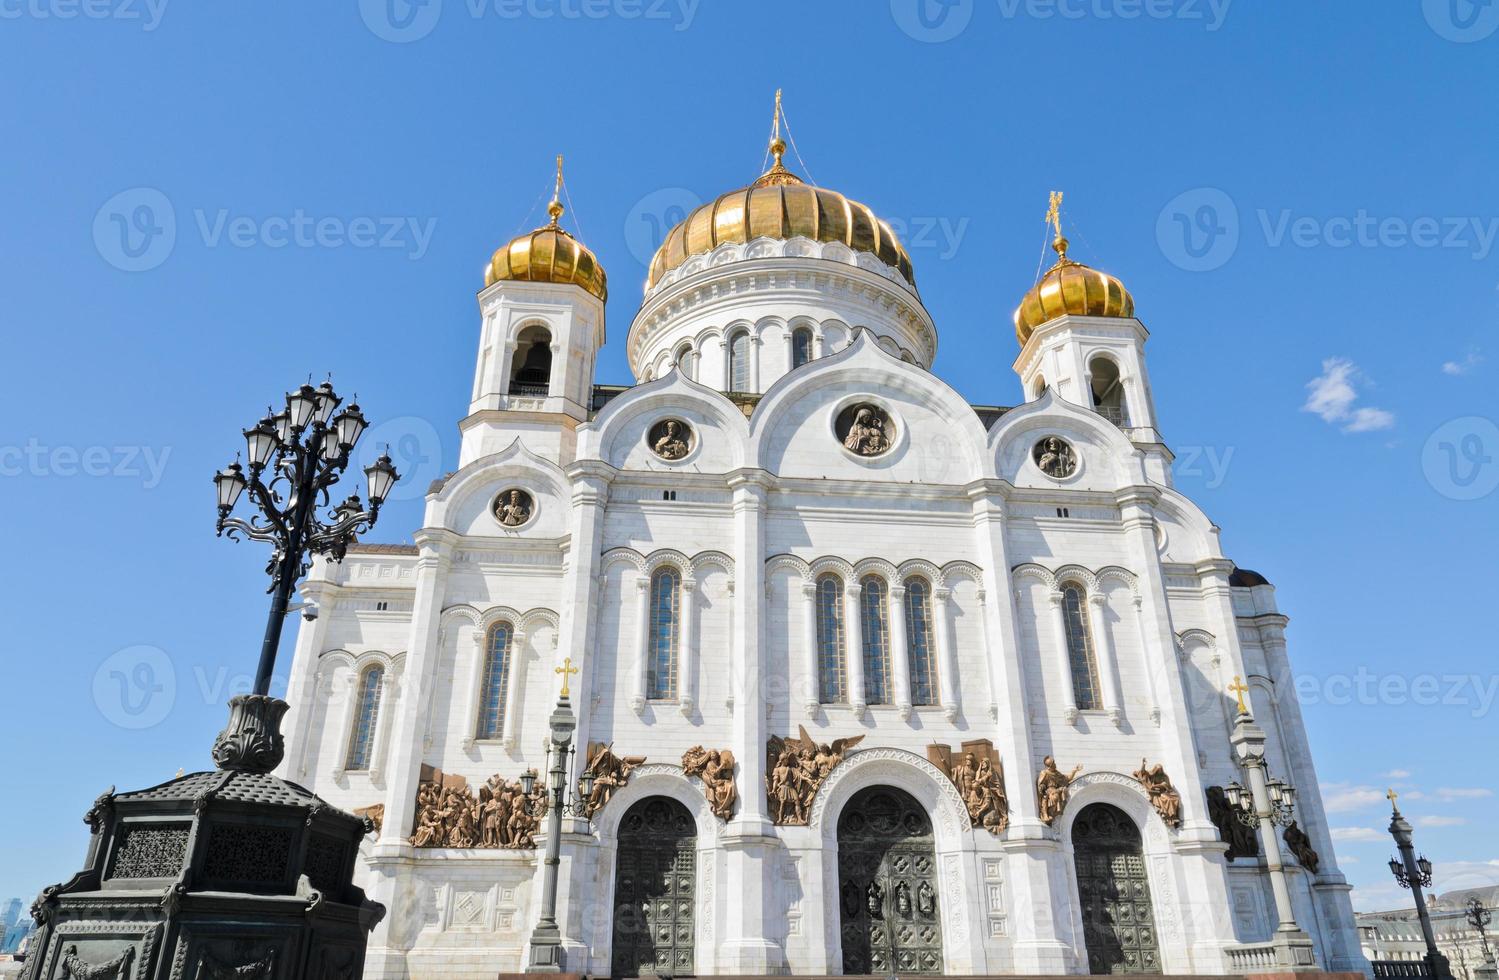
(204, 202)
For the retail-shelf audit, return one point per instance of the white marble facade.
(766, 501)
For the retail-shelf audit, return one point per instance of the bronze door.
(1114, 893)
(888, 885)
(655, 889)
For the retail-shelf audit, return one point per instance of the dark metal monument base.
(231, 874)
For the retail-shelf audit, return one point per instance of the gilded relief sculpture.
(1055, 458)
(1053, 788)
(513, 508)
(715, 767)
(609, 772)
(669, 439)
(978, 774)
(502, 816)
(1163, 796)
(796, 770)
(868, 430)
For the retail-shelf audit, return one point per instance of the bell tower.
(542, 324)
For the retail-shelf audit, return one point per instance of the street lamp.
(1479, 918)
(1415, 873)
(295, 457)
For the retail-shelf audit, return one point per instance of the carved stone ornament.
(502, 816)
(1301, 846)
(75, 967)
(252, 741)
(865, 429)
(609, 772)
(1240, 839)
(795, 771)
(1054, 457)
(978, 774)
(513, 507)
(715, 767)
(1053, 788)
(670, 439)
(1163, 796)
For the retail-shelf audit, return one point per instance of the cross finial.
(777, 145)
(555, 209)
(1054, 219)
(566, 669)
(1238, 688)
(1392, 796)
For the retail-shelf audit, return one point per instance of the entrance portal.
(1114, 893)
(887, 885)
(655, 887)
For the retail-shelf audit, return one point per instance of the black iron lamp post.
(1414, 873)
(1479, 918)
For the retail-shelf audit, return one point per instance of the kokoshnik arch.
(835, 627)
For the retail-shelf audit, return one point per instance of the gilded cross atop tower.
(566, 669)
(777, 145)
(1238, 688)
(1054, 219)
(555, 209)
(1392, 796)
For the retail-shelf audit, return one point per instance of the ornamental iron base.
(231, 873)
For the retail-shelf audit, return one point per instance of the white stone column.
(811, 697)
(1059, 631)
(304, 685)
(947, 666)
(853, 635)
(390, 698)
(687, 648)
(1152, 683)
(900, 652)
(510, 721)
(1108, 667)
(473, 697)
(642, 641)
(755, 346)
(346, 721)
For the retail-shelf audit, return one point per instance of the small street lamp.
(1415, 873)
(295, 457)
(546, 938)
(1479, 918)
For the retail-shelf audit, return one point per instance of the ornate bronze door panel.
(1114, 893)
(655, 888)
(888, 885)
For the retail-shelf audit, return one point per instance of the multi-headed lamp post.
(295, 457)
(1415, 873)
(1479, 918)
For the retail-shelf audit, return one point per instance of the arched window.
(1108, 391)
(832, 686)
(1080, 649)
(683, 360)
(531, 365)
(739, 361)
(366, 711)
(876, 622)
(919, 645)
(801, 347)
(1040, 387)
(496, 685)
(661, 671)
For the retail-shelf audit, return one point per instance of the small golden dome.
(549, 254)
(1069, 288)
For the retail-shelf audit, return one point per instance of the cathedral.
(867, 679)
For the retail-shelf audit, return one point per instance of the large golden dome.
(780, 205)
(1069, 288)
(549, 254)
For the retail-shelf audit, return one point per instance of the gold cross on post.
(1054, 212)
(1392, 796)
(1237, 688)
(566, 668)
(555, 209)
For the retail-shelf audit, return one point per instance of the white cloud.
(1343, 797)
(1332, 394)
(1433, 820)
(1470, 361)
(1463, 793)
(1356, 834)
(1398, 774)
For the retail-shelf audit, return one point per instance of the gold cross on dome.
(1054, 212)
(566, 668)
(1392, 796)
(1238, 688)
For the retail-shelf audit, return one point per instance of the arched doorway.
(887, 885)
(1114, 892)
(655, 890)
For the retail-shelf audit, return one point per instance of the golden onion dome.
(1069, 288)
(780, 205)
(549, 254)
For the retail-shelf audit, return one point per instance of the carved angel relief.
(609, 772)
(449, 815)
(1163, 796)
(796, 768)
(715, 767)
(975, 769)
(1053, 789)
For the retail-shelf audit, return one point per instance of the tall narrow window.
(683, 360)
(876, 622)
(739, 361)
(801, 347)
(1080, 649)
(832, 685)
(496, 683)
(661, 674)
(919, 646)
(367, 710)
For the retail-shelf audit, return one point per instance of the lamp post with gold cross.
(1415, 873)
(546, 938)
(1293, 947)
